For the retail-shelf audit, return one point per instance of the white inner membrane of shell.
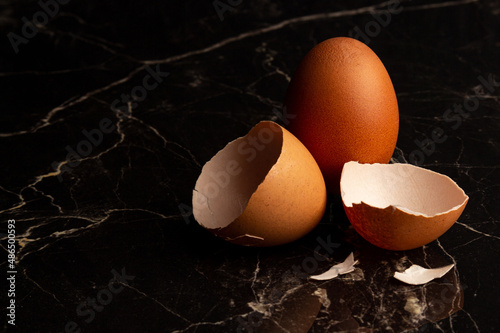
(409, 188)
(229, 179)
(418, 275)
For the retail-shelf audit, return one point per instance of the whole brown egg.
(343, 107)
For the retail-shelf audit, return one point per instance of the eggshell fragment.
(417, 275)
(343, 268)
(399, 206)
(262, 189)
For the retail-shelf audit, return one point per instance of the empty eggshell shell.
(262, 189)
(399, 206)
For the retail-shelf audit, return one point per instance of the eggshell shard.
(262, 189)
(417, 275)
(347, 266)
(399, 206)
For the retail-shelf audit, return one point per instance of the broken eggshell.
(347, 266)
(418, 275)
(262, 189)
(399, 206)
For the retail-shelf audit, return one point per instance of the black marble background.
(105, 241)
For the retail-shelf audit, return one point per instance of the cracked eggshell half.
(399, 206)
(262, 189)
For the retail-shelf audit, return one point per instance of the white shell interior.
(418, 275)
(339, 269)
(229, 179)
(409, 188)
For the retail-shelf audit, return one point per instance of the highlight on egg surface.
(343, 107)
(399, 206)
(262, 189)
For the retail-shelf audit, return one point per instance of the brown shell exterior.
(287, 205)
(345, 107)
(392, 229)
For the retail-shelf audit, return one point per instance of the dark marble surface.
(105, 241)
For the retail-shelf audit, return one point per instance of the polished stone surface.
(100, 184)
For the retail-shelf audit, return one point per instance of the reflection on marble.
(116, 206)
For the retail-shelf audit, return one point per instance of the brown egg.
(262, 189)
(344, 105)
(399, 206)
